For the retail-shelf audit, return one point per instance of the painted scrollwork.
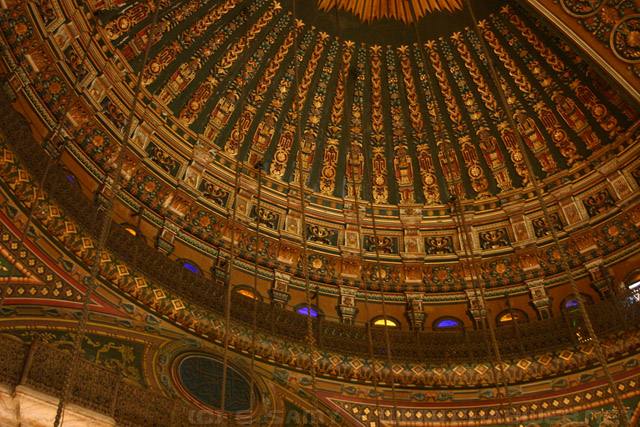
(599, 202)
(319, 234)
(382, 244)
(265, 217)
(540, 227)
(438, 245)
(494, 239)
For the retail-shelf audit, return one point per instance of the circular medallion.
(429, 179)
(281, 156)
(625, 39)
(581, 8)
(316, 263)
(199, 377)
(475, 171)
(559, 135)
(124, 23)
(517, 156)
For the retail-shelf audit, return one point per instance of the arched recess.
(247, 291)
(570, 304)
(131, 229)
(187, 264)
(511, 316)
(385, 321)
(447, 323)
(308, 310)
(632, 280)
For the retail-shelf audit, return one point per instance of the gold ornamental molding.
(605, 56)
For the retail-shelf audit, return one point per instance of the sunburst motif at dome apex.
(401, 10)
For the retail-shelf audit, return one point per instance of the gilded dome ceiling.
(401, 115)
(241, 79)
(418, 213)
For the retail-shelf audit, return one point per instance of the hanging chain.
(622, 413)
(364, 287)
(387, 339)
(103, 234)
(516, 323)
(258, 168)
(478, 291)
(227, 282)
(468, 251)
(311, 341)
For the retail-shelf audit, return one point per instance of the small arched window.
(570, 303)
(71, 178)
(247, 292)
(633, 281)
(131, 229)
(308, 310)
(509, 317)
(447, 323)
(385, 321)
(191, 266)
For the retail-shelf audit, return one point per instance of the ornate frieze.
(187, 38)
(380, 244)
(320, 234)
(438, 245)
(494, 239)
(330, 156)
(379, 168)
(290, 132)
(540, 227)
(220, 70)
(430, 185)
(599, 202)
(265, 216)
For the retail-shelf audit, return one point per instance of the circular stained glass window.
(200, 377)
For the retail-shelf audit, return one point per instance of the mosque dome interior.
(320, 212)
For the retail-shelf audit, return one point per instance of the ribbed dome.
(416, 281)
(226, 71)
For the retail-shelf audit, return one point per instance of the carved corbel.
(539, 297)
(166, 236)
(601, 280)
(477, 308)
(279, 291)
(347, 304)
(415, 310)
